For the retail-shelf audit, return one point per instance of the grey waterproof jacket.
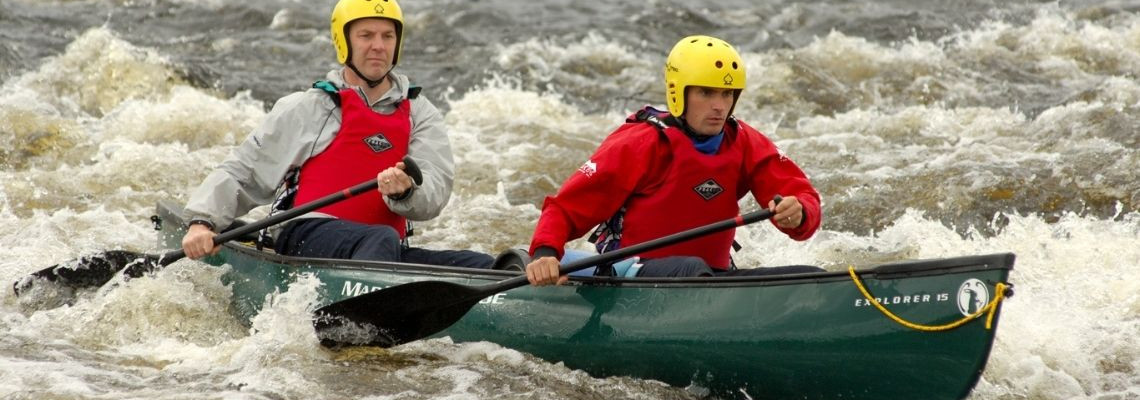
(300, 126)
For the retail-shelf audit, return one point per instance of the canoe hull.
(810, 336)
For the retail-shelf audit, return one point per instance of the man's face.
(707, 108)
(373, 43)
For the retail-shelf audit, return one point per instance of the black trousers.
(335, 238)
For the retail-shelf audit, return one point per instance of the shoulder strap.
(333, 93)
(644, 115)
(329, 89)
(649, 115)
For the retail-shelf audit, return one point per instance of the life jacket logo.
(378, 143)
(972, 296)
(708, 189)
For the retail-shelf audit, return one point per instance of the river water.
(952, 128)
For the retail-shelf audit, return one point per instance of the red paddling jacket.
(653, 173)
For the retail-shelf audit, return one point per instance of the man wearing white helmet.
(664, 172)
(355, 125)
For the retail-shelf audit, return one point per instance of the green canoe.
(805, 336)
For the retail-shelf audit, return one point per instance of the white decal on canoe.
(905, 299)
(496, 299)
(353, 289)
(972, 296)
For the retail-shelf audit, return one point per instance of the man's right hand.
(199, 242)
(393, 181)
(544, 271)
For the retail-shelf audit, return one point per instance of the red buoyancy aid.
(367, 143)
(697, 189)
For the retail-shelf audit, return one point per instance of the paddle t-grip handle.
(413, 170)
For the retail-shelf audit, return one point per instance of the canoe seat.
(512, 260)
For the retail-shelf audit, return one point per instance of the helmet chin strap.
(371, 83)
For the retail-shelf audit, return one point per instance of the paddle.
(96, 270)
(413, 311)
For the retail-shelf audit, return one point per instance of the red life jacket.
(698, 189)
(367, 143)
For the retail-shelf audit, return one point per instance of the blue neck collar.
(708, 144)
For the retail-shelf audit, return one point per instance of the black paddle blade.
(395, 315)
(86, 272)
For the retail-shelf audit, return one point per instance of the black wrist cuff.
(545, 251)
(206, 223)
(406, 194)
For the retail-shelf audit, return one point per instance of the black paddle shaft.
(96, 270)
(626, 252)
(412, 311)
(410, 168)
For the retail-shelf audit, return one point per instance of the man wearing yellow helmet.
(357, 124)
(663, 172)
(377, 36)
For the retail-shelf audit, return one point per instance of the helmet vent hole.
(720, 65)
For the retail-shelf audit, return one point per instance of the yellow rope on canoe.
(991, 308)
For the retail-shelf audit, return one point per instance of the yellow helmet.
(701, 61)
(351, 10)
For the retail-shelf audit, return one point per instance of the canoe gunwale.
(909, 269)
(899, 269)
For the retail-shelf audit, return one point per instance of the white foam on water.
(591, 62)
(96, 72)
(483, 370)
(207, 4)
(125, 148)
(1060, 44)
(535, 139)
(188, 115)
(282, 345)
(486, 223)
(271, 357)
(913, 140)
(94, 136)
(1067, 332)
(43, 239)
(109, 339)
